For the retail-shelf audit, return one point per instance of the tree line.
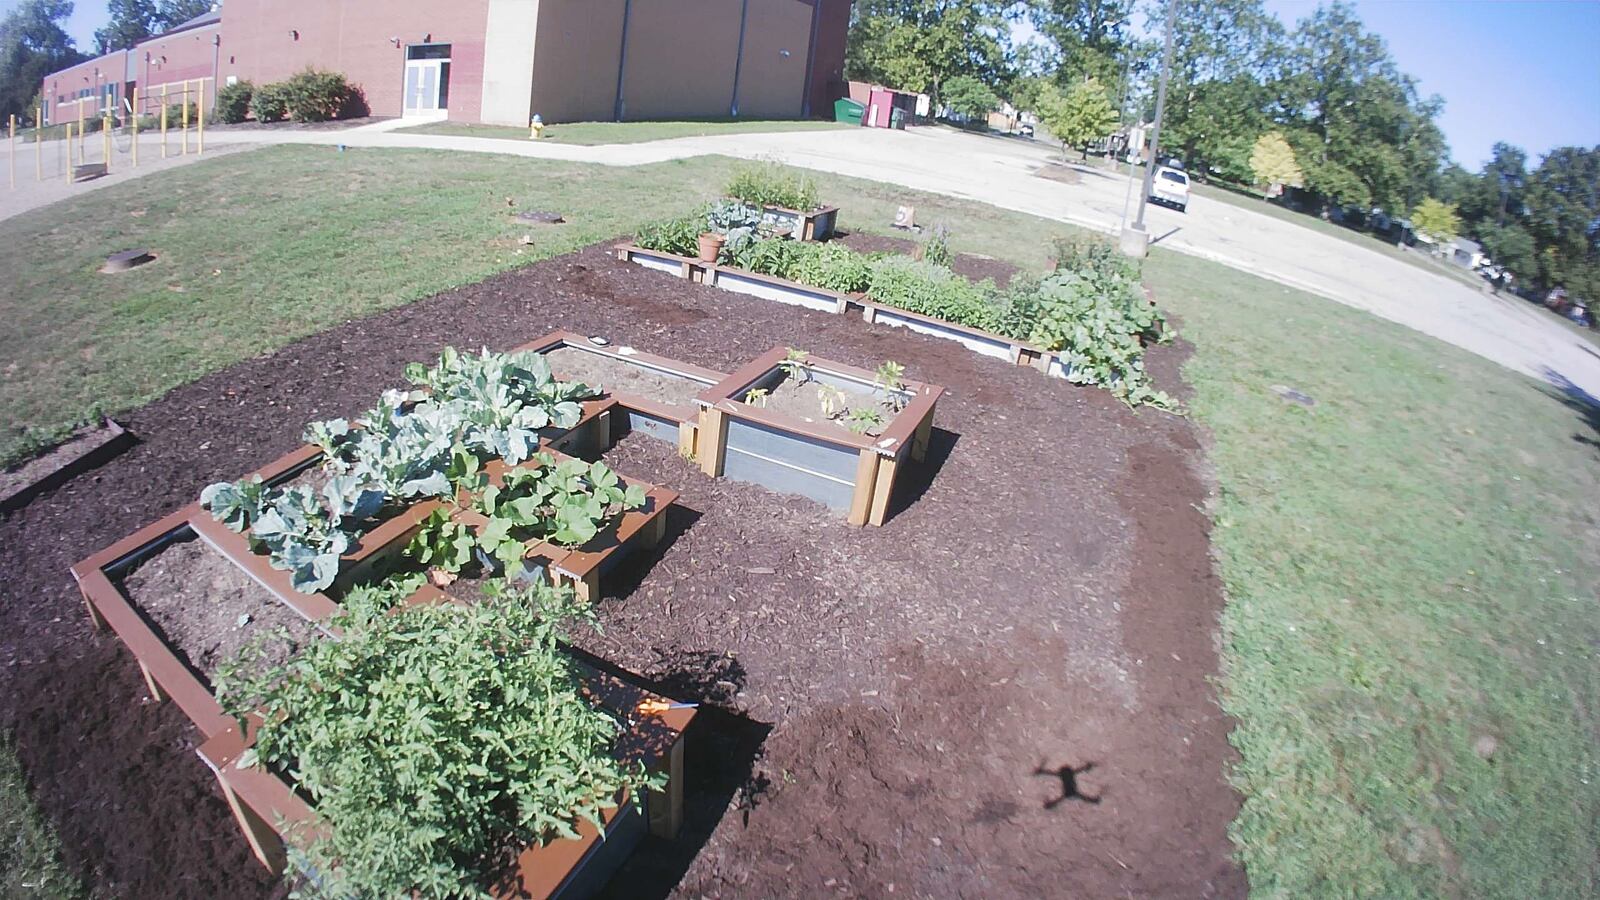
(34, 43)
(1320, 105)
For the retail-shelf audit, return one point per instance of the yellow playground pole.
(12, 144)
(163, 121)
(185, 102)
(69, 153)
(38, 143)
(133, 120)
(200, 119)
(105, 129)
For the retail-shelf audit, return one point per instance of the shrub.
(773, 184)
(433, 739)
(317, 96)
(1100, 324)
(1095, 253)
(268, 103)
(233, 102)
(175, 115)
(932, 290)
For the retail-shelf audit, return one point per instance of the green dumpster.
(848, 111)
(897, 118)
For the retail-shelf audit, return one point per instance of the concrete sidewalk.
(999, 171)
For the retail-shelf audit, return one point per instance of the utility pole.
(1135, 240)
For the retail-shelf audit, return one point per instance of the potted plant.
(711, 246)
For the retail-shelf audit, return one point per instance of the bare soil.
(210, 610)
(613, 376)
(1003, 692)
(801, 401)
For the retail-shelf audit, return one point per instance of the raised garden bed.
(583, 566)
(780, 290)
(263, 803)
(656, 394)
(816, 225)
(817, 458)
(87, 448)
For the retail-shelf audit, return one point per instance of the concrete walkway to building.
(999, 171)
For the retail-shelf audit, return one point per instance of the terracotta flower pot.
(711, 245)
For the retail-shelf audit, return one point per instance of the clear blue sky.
(1527, 73)
(1524, 72)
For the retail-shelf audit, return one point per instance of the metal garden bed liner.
(854, 472)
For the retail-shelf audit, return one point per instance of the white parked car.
(1171, 187)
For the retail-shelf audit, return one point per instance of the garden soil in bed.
(900, 709)
(800, 400)
(614, 376)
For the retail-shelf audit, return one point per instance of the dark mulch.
(1001, 693)
(967, 265)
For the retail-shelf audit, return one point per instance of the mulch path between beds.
(1001, 693)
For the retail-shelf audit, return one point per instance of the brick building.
(501, 61)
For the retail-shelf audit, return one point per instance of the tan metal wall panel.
(575, 60)
(508, 50)
(772, 77)
(681, 56)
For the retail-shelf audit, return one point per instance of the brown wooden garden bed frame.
(878, 457)
(688, 420)
(261, 800)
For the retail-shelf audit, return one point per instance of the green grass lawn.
(1417, 258)
(593, 133)
(1410, 564)
(30, 856)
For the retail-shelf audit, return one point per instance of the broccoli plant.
(302, 535)
(236, 504)
(503, 399)
(335, 438)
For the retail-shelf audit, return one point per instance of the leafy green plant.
(863, 419)
(1100, 325)
(770, 183)
(503, 399)
(832, 267)
(831, 399)
(891, 378)
(441, 543)
(236, 504)
(303, 536)
(678, 236)
(757, 396)
(936, 249)
(434, 741)
(794, 365)
(923, 287)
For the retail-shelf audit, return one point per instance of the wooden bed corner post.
(881, 490)
(866, 478)
(713, 440)
(666, 807)
(265, 843)
(921, 438)
(96, 621)
(686, 439)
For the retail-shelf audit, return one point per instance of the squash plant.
(564, 503)
(433, 741)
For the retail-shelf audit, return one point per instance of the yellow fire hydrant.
(536, 128)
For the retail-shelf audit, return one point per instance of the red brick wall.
(269, 40)
(174, 59)
(67, 82)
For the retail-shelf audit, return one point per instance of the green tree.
(176, 12)
(1090, 39)
(32, 45)
(1563, 215)
(916, 45)
(1079, 116)
(970, 98)
(1273, 164)
(131, 21)
(1437, 220)
(1510, 246)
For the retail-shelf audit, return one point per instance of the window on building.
(428, 51)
